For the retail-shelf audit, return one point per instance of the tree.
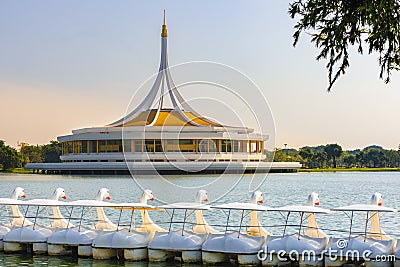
(333, 151)
(374, 157)
(307, 154)
(51, 152)
(349, 160)
(320, 157)
(335, 25)
(31, 153)
(9, 157)
(279, 156)
(392, 158)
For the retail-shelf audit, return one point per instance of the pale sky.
(71, 64)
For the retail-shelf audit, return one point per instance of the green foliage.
(335, 25)
(31, 153)
(333, 151)
(9, 157)
(285, 155)
(332, 156)
(49, 153)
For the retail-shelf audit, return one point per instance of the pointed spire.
(164, 32)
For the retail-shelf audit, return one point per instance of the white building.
(164, 139)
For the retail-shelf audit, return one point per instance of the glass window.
(149, 145)
(235, 146)
(187, 145)
(138, 146)
(84, 146)
(171, 145)
(127, 145)
(226, 146)
(102, 146)
(203, 146)
(93, 146)
(159, 147)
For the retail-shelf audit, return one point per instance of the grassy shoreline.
(17, 170)
(351, 170)
(24, 171)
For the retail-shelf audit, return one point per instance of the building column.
(249, 146)
(257, 147)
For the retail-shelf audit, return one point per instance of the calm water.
(335, 189)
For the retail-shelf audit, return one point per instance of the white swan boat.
(396, 254)
(3, 231)
(5, 228)
(79, 239)
(132, 241)
(308, 238)
(183, 242)
(244, 246)
(369, 246)
(25, 235)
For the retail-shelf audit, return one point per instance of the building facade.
(156, 135)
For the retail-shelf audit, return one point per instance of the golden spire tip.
(164, 32)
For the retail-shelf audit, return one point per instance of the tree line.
(11, 158)
(323, 156)
(333, 156)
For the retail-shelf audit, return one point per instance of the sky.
(67, 65)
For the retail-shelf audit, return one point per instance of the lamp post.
(285, 152)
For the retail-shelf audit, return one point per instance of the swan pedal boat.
(61, 241)
(368, 246)
(313, 239)
(21, 236)
(218, 247)
(182, 242)
(3, 231)
(133, 243)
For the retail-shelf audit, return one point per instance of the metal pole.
(80, 220)
(301, 223)
(70, 215)
(366, 225)
(170, 223)
(37, 212)
(130, 223)
(227, 221)
(184, 221)
(119, 219)
(287, 218)
(241, 221)
(26, 213)
(351, 223)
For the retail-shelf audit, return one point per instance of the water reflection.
(10, 260)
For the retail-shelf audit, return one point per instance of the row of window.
(157, 146)
(166, 160)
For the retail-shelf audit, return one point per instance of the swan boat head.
(376, 199)
(147, 195)
(59, 193)
(18, 192)
(256, 197)
(201, 196)
(103, 193)
(313, 199)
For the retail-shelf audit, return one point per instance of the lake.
(334, 189)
